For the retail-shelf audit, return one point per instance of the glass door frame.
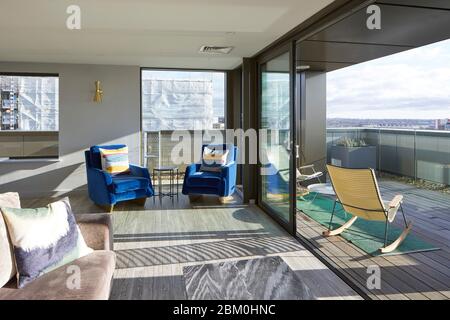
(291, 225)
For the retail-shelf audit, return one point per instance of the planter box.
(354, 157)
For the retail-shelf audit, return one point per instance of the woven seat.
(358, 192)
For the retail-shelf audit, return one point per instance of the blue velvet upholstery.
(105, 189)
(222, 184)
(127, 183)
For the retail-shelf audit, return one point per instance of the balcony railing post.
(415, 156)
(379, 152)
(145, 147)
(159, 148)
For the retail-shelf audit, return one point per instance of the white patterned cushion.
(213, 159)
(44, 239)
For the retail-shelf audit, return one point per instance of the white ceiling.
(149, 33)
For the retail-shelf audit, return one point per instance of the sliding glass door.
(277, 179)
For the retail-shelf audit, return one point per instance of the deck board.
(424, 275)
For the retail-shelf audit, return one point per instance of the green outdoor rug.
(366, 235)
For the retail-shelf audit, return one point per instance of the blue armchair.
(222, 184)
(105, 190)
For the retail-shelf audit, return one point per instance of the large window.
(29, 103)
(29, 121)
(183, 100)
(179, 100)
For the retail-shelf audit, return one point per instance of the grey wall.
(313, 120)
(82, 123)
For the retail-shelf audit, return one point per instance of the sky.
(414, 84)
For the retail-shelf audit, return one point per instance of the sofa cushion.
(7, 264)
(96, 272)
(125, 183)
(214, 158)
(43, 239)
(204, 179)
(95, 159)
(115, 161)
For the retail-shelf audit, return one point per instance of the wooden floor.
(154, 243)
(423, 275)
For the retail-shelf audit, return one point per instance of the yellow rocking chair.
(358, 192)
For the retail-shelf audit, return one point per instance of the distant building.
(29, 103)
(412, 124)
(177, 105)
(442, 124)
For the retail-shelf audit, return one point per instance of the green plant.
(351, 143)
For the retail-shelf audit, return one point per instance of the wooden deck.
(424, 275)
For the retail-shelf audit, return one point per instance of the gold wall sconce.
(98, 92)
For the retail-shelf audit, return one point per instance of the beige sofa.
(96, 268)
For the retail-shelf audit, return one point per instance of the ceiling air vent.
(215, 50)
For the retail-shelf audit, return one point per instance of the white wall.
(82, 124)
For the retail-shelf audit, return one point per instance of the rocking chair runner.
(358, 192)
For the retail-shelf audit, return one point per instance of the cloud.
(414, 84)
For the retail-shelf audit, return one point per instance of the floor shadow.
(244, 216)
(49, 180)
(207, 235)
(206, 251)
